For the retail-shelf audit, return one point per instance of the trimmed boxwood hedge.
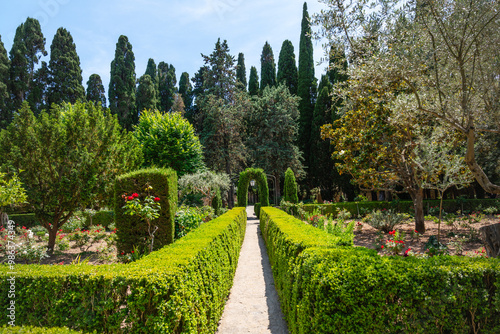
(27, 220)
(449, 205)
(36, 330)
(131, 229)
(324, 288)
(181, 288)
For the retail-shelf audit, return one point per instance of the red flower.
(157, 199)
(130, 198)
(122, 253)
(382, 246)
(132, 252)
(24, 228)
(392, 232)
(135, 195)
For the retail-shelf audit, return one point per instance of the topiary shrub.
(131, 231)
(217, 203)
(246, 176)
(290, 187)
(256, 209)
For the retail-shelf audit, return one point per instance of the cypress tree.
(220, 79)
(65, 78)
(287, 68)
(167, 89)
(146, 94)
(122, 84)
(5, 112)
(306, 86)
(253, 82)
(153, 73)
(27, 49)
(38, 96)
(267, 68)
(290, 190)
(95, 90)
(186, 90)
(193, 114)
(241, 72)
(337, 65)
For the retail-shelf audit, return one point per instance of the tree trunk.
(52, 239)
(491, 238)
(417, 197)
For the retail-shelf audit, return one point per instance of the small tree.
(69, 156)
(290, 187)
(204, 182)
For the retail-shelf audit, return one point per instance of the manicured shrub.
(217, 203)
(181, 288)
(246, 176)
(290, 189)
(103, 218)
(27, 220)
(325, 288)
(132, 231)
(256, 209)
(37, 330)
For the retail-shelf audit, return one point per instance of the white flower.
(341, 152)
(30, 234)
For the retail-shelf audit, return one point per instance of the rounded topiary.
(260, 178)
(290, 187)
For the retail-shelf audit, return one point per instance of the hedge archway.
(246, 176)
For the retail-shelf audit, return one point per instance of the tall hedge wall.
(325, 288)
(131, 229)
(181, 288)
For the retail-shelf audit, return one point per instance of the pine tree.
(220, 79)
(241, 72)
(287, 68)
(26, 51)
(193, 114)
(253, 82)
(122, 84)
(65, 79)
(95, 90)
(267, 68)
(186, 90)
(167, 82)
(5, 112)
(146, 94)
(153, 73)
(306, 86)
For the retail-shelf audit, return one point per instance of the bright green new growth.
(168, 140)
(290, 187)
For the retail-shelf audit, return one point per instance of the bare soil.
(94, 255)
(466, 235)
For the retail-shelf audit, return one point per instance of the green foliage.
(7, 329)
(168, 140)
(5, 111)
(290, 190)
(65, 79)
(324, 288)
(253, 82)
(167, 82)
(287, 67)
(267, 68)
(217, 202)
(256, 209)
(188, 219)
(146, 94)
(241, 73)
(121, 92)
(95, 90)
(186, 91)
(205, 183)
(246, 176)
(70, 156)
(178, 289)
(27, 220)
(132, 230)
(11, 191)
(384, 220)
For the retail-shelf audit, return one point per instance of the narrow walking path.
(253, 305)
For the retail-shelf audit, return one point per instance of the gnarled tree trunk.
(491, 238)
(417, 197)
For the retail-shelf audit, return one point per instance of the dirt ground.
(454, 237)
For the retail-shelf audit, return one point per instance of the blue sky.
(173, 31)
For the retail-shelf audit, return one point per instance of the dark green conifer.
(167, 88)
(186, 90)
(122, 84)
(95, 90)
(267, 67)
(253, 82)
(241, 72)
(146, 94)
(306, 86)
(290, 190)
(65, 79)
(5, 112)
(153, 73)
(287, 67)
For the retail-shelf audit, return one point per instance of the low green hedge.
(36, 330)
(325, 288)
(181, 288)
(103, 218)
(27, 220)
(356, 208)
(256, 209)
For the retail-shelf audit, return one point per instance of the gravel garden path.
(253, 305)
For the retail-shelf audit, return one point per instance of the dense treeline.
(240, 122)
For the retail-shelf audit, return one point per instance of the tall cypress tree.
(146, 94)
(95, 90)
(65, 79)
(241, 72)
(337, 65)
(306, 86)
(153, 73)
(38, 96)
(27, 49)
(167, 82)
(253, 82)
(267, 67)
(122, 84)
(287, 68)
(5, 112)
(186, 90)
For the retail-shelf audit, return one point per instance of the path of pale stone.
(253, 305)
